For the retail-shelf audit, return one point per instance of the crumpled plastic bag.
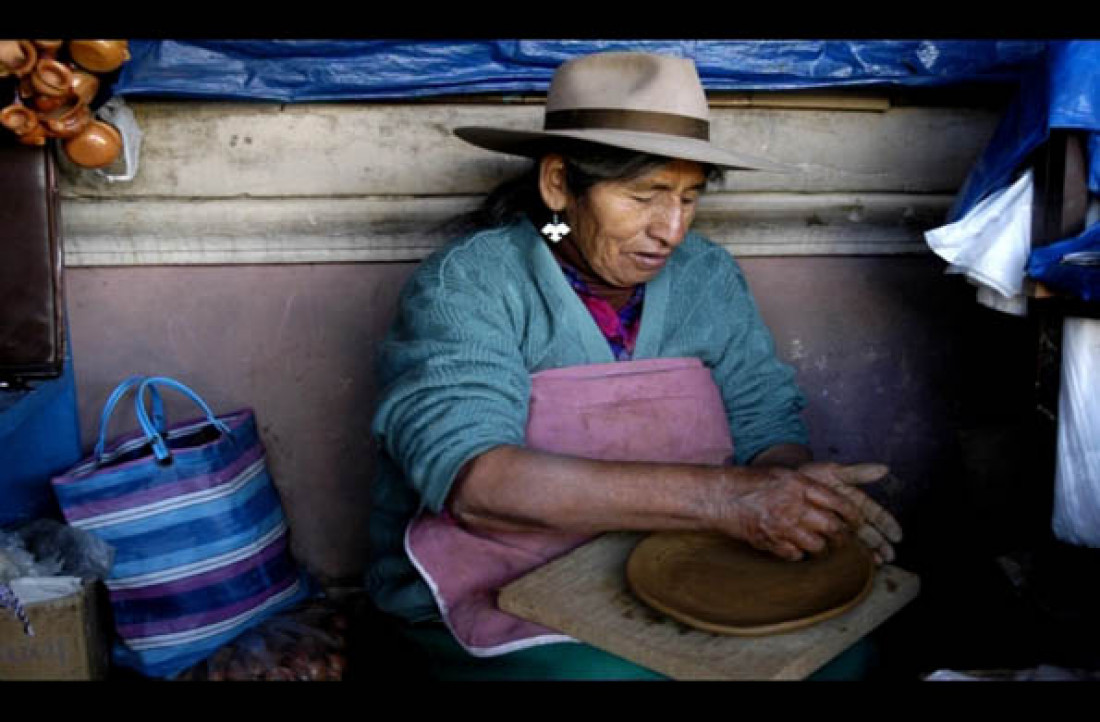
(991, 244)
(58, 549)
(43, 549)
(117, 113)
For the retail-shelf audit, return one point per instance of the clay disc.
(722, 585)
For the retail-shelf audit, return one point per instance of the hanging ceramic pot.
(48, 48)
(24, 123)
(70, 122)
(48, 103)
(84, 86)
(30, 58)
(99, 56)
(97, 146)
(52, 78)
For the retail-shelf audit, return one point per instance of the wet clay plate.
(721, 585)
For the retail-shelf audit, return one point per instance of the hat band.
(644, 120)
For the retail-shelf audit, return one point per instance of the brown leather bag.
(32, 317)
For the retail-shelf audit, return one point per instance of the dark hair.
(586, 164)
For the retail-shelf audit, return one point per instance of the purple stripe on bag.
(187, 584)
(166, 491)
(137, 632)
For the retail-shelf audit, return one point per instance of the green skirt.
(444, 659)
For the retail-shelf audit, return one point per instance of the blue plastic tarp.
(327, 70)
(1071, 266)
(1061, 91)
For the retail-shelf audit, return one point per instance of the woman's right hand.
(787, 512)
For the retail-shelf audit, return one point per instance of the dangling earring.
(555, 230)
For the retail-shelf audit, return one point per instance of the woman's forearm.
(515, 488)
(785, 511)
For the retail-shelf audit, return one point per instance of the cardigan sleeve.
(763, 402)
(452, 381)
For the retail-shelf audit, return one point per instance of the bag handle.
(109, 408)
(160, 447)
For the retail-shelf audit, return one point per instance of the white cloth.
(1076, 518)
(991, 245)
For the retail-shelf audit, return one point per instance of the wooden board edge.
(899, 585)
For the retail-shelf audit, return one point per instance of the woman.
(584, 363)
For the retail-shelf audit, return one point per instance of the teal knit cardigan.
(481, 315)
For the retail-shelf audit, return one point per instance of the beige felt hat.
(638, 101)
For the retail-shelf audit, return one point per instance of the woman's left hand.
(879, 527)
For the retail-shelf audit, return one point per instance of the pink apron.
(660, 410)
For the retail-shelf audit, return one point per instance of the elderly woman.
(581, 363)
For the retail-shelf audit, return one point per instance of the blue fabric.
(1061, 91)
(200, 540)
(1074, 70)
(44, 419)
(1050, 265)
(321, 70)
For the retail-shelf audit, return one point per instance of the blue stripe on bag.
(175, 554)
(253, 496)
(200, 536)
(251, 582)
(203, 573)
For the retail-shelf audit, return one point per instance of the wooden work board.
(585, 595)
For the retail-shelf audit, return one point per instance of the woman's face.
(626, 230)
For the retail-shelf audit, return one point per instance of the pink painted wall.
(895, 357)
(293, 342)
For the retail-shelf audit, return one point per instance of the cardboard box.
(69, 641)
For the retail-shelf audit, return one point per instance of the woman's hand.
(793, 512)
(784, 512)
(879, 528)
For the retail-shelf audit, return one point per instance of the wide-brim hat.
(639, 101)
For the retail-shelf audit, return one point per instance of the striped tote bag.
(200, 537)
